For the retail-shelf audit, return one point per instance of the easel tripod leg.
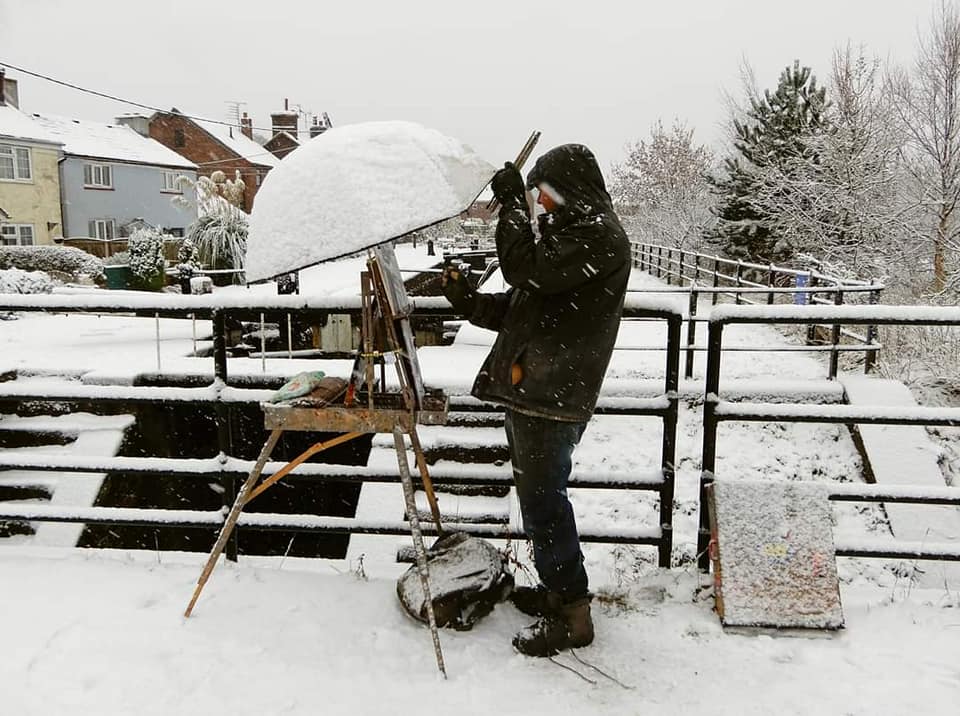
(233, 516)
(425, 478)
(418, 547)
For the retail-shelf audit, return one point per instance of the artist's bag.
(468, 576)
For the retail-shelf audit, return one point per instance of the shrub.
(145, 248)
(17, 281)
(220, 239)
(121, 258)
(63, 262)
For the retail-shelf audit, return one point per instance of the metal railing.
(220, 397)
(700, 275)
(716, 410)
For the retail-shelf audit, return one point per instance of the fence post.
(691, 330)
(708, 463)
(835, 339)
(696, 267)
(223, 423)
(669, 441)
(739, 278)
(669, 266)
(682, 266)
(870, 356)
(770, 284)
(659, 261)
(716, 280)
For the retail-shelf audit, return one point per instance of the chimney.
(9, 94)
(246, 126)
(285, 121)
(137, 122)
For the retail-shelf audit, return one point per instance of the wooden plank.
(773, 554)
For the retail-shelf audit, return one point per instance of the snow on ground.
(308, 638)
(314, 637)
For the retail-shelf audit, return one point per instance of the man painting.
(556, 327)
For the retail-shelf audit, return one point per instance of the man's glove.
(507, 185)
(458, 290)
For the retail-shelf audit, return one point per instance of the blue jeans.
(541, 452)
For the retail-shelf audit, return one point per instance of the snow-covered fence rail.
(220, 398)
(717, 410)
(758, 284)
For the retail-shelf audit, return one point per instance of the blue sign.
(802, 298)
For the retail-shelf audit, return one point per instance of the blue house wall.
(137, 193)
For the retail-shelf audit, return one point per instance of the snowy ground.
(102, 632)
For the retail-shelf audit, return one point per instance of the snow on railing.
(221, 397)
(717, 410)
(213, 519)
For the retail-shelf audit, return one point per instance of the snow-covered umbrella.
(357, 186)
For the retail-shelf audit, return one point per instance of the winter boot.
(536, 601)
(569, 627)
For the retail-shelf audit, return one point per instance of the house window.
(171, 182)
(16, 234)
(15, 163)
(179, 140)
(99, 176)
(178, 232)
(103, 229)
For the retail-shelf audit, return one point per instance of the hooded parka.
(558, 322)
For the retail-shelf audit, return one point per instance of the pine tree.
(776, 131)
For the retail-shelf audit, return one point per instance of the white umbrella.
(354, 187)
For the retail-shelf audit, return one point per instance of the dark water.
(190, 432)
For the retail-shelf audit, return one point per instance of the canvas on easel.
(388, 283)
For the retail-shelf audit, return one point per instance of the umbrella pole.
(522, 158)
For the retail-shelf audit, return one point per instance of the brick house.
(211, 147)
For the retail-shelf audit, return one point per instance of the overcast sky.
(595, 71)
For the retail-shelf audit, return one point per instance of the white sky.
(599, 72)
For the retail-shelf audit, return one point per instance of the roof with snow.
(109, 141)
(238, 142)
(15, 124)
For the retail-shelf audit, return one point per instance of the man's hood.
(571, 170)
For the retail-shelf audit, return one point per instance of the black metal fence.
(221, 395)
(717, 410)
(699, 275)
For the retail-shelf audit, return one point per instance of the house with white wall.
(113, 180)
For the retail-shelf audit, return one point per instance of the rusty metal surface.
(388, 412)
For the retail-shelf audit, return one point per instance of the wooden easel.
(385, 331)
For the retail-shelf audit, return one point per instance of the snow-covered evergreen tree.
(842, 199)
(147, 264)
(776, 130)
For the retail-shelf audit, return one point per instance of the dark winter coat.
(559, 320)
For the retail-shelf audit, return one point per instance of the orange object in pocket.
(516, 374)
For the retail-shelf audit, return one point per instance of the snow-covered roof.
(109, 141)
(15, 124)
(238, 142)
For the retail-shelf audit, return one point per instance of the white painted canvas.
(354, 187)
